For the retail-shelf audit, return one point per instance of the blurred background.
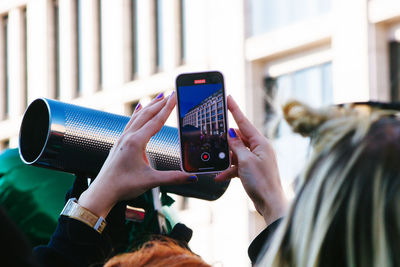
(112, 54)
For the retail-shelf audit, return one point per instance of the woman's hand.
(255, 164)
(126, 173)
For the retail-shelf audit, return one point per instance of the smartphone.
(203, 123)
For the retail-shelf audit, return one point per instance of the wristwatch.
(73, 210)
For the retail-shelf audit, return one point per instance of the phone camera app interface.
(203, 126)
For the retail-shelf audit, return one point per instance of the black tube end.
(34, 131)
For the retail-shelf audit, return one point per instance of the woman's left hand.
(126, 173)
(254, 162)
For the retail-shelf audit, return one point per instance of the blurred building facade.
(110, 55)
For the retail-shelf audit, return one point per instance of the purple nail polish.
(232, 133)
(192, 178)
(160, 96)
(173, 92)
(138, 106)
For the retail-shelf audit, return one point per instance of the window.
(78, 45)
(159, 35)
(4, 68)
(134, 23)
(395, 70)
(25, 58)
(99, 28)
(56, 49)
(4, 144)
(267, 15)
(182, 30)
(132, 107)
(312, 86)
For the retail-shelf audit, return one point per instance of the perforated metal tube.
(75, 139)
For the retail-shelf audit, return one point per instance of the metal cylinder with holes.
(76, 139)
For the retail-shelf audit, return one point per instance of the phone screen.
(202, 122)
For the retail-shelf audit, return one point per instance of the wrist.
(75, 211)
(97, 200)
(274, 208)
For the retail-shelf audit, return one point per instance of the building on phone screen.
(208, 115)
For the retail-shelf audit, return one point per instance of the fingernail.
(232, 133)
(173, 92)
(138, 106)
(160, 95)
(192, 178)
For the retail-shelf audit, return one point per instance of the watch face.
(68, 207)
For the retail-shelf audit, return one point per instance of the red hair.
(158, 253)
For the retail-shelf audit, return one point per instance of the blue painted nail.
(160, 95)
(192, 178)
(232, 133)
(138, 106)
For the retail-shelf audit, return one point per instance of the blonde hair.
(347, 209)
(160, 252)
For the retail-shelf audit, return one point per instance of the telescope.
(77, 140)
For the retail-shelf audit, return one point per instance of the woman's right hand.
(254, 162)
(126, 173)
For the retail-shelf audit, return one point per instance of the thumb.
(173, 177)
(237, 146)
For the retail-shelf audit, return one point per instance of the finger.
(237, 146)
(234, 160)
(146, 114)
(230, 173)
(137, 108)
(157, 122)
(157, 99)
(244, 139)
(172, 177)
(247, 129)
(146, 160)
(134, 114)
